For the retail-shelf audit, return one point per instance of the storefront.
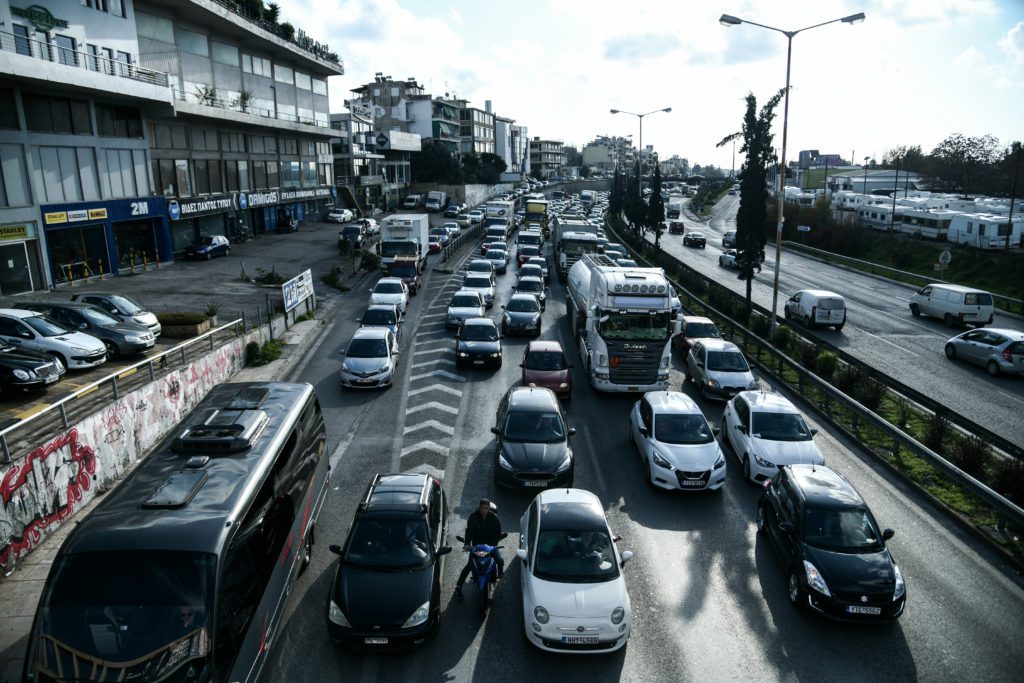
(98, 238)
(19, 259)
(268, 210)
(212, 215)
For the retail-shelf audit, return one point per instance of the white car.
(372, 226)
(339, 216)
(33, 331)
(719, 368)
(465, 304)
(476, 216)
(676, 444)
(574, 593)
(390, 290)
(727, 259)
(765, 431)
(370, 359)
(483, 283)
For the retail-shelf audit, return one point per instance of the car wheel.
(704, 392)
(786, 314)
(112, 350)
(649, 473)
(760, 519)
(746, 466)
(60, 359)
(993, 368)
(227, 252)
(794, 592)
(915, 310)
(948, 319)
(839, 327)
(950, 352)
(687, 377)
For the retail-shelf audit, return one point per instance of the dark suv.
(387, 590)
(830, 546)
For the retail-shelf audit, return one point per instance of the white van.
(413, 201)
(954, 304)
(816, 307)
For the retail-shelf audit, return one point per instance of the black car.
(830, 546)
(532, 441)
(522, 315)
(387, 590)
(478, 343)
(695, 238)
(454, 209)
(21, 369)
(729, 239)
(120, 338)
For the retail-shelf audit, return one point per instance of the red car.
(676, 227)
(545, 365)
(694, 329)
(434, 245)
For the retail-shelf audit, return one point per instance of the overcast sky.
(914, 72)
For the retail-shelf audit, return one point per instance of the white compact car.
(765, 431)
(390, 290)
(574, 592)
(35, 332)
(370, 359)
(676, 444)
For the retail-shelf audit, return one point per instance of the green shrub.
(971, 454)
(261, 355)
(847, 378)
(174, 319)
(269, 277)
(1009, 479)
(808, 356)
(935, 433)
(211, 309)
(903, 412)
(333, 278)
(760, 325)
(826, 364)
(870, 392)
(370, 261)
(784, 337)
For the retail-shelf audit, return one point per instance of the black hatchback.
(387, 590)
(478, 343)
(830, 546)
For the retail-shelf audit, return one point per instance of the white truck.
(500, 213)
(436, 201)
(403, 234)
(674, 208)
(574, 237)
(622, 320)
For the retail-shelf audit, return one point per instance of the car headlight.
(762, 462)
(496, 354)
(463, 354)
(664, 362)
(134, 338)
(602, 360)
(505, 464)
(541, 614)
(421, 614)
(720, 461)
(901, 587)
(336, 616)
(661, 462)
(815, 580)
(79, 349)
(21, 374)
(563, 385)
(713, 383)
(140, 319)
(452, 317)
(618, 614)
(565, 464)
(345, 366)
(506, 319)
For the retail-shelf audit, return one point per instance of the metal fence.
(16, 439)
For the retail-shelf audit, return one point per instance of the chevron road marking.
(439, 373)
(447, 361)
(433, 404)
(450, 431)
(425, 446)
(436, 387)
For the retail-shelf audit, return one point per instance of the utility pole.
(1013, 193)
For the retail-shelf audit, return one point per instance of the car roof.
(672, 402)
(531, 399)
(954, 288)
(76, 305)
(768, 402)
(719, 345)
(571, 508)
(696, 319)
(467, 292)
(544, 345)
(371, 333)
(523, 296)
(824, 487)
(476, 275)
(479, 321)
(530, 278)
(392, 280)
(1006, 332)
(400, 492)
(821, 293)
(383, 307)
(19, 313)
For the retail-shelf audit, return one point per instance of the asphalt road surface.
(880, 329)
(709, 599)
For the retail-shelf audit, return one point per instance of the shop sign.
(254, 200)
(190, 208)
(294, 195)
(16, 232)
(97, 214)
(297, 290)
(39, 17)
(78, 215)
(55, 217)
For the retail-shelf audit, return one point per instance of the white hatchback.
(765, 431)
(390, 290)
(574, 592)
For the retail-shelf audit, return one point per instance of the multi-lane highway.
(709, 599)
(879, 330)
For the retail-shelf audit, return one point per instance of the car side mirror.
(813, 431)
(83, 326)
(26, 335)
(342, 352)
(887, 534)
(494, 430)
(335, 548)
(625, 557)
(444, 550)
(572, 431)
(742, 428)
(786, 526)
(643, 430)
(522, 554)
(460, 539)
(503, 535)
(700, 364)
(716, 430)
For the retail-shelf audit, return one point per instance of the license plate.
(632, 388)
(580, 640)
(375, 641)
(695, 484)
(478, 362)
(51, 380)
(857, 609)
(535, 483)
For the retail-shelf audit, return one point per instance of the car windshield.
(533, 427)
(779, 427)
(388, 288)
(830, 304)
(636, 326)
(529, 251)
(98, 317)
(125, 305)
(391, 542)
(465, 302)
(530, 286)
(575, 556)
(379, 317)
(702, 331)
(479, 333)
(367, 348)
(480, 267)
(727, 361)
(545, 360)
(523, 305)
(45, 326)
(477, 283)
(682, 429)
(844, 530)
(138, 616)
(205, 240)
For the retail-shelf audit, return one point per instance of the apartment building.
(477, 128)
(547, 157)
(606, 152)
(512, 145)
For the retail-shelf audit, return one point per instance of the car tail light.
(814, 312)
(1007, 356)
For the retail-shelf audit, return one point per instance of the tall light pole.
(640, 158)
(728, 21)
(864, 191)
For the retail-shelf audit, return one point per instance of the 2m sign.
(139, 208)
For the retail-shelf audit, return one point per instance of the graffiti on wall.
(60, 476)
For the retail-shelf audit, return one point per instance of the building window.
(57, 115)
(283, 74)
(224, 54)
(66, 50)
(183, 177)
(273, 175)
(22, 42)
(118, 122)
(243, 176)
(124, 64)
(258, 66)
(117, 8)
(8, 112)
(319, 87)
(232, 142)
(259, 175)
(204, 140)
(287, 146)
(323, 174)
(153, 27)
(163, 176)
(193, 43)
(303, 81)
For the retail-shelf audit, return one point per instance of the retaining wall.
(62, 474)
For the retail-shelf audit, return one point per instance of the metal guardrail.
(63, 413)
(900, 439)
(209, 99)
(455, 245)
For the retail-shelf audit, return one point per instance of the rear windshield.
(978, 299)
(702, 331)
(465, 302)
(379, 317)
(477, 283)
(830, 304)
(1016, 348)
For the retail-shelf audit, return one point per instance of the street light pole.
(640, 150)
(729, 20)
(865, 190)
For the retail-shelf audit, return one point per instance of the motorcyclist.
(484, 527)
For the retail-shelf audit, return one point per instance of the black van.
(181, 573)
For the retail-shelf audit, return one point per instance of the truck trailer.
(403, 234)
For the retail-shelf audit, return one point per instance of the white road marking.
(425, 342)
(433, 404)
(428, 470)
(891, 343)
(439, 373)
(1009, 396)
(902, 319)
(437, 387)
(447, 361)
(434, 424)
(425, 446)
(439, 349)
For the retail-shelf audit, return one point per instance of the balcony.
(297, 38)
(195, 102)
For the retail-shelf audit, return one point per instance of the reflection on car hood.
(547, 378)
(580, 599)
(731, 379)
(479, 346)
(788, 452)
(365, 364)
(534, 457)
(521, 317)
(465, 311)
(81, 340)
(23, 358)
(868, 573)
(128, 328)
(379, 598)
(379, 298)
(690, 457)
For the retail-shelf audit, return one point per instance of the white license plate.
(857, 609)
(580, 640)
(694, 484)
(535, 483)
(478, 362)
(375, 641)
(51, 380)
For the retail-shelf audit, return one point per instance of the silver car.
(483, 284)
(370, 359)
(999, 351)
(466, 303)
(719, 369)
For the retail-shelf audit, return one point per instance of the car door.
(984, 347)
(696, 362)
(13, 332)
(499, 422)
(528, 529)
(641, 420)
(784, 509)
(970, 348)
(739, 431)
(793, 305)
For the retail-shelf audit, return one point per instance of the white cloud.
(969, 58)
(1012, 44)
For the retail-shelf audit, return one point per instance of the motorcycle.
(484, 568)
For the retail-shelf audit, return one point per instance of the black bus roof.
(199, 480)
